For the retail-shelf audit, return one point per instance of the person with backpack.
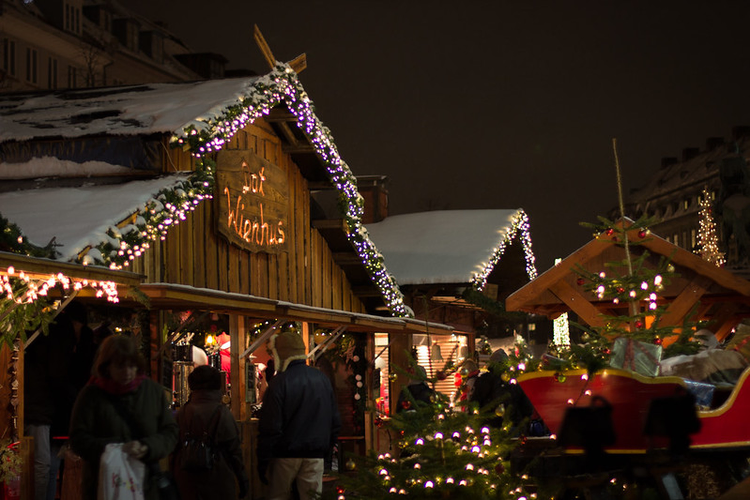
(208, 456)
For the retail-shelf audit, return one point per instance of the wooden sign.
(253, 200)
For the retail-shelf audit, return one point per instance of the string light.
(519, 228)
(281, 86)
(708, 241)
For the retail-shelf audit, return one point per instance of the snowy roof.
(442, 246)
(128, 110)
(77, 217)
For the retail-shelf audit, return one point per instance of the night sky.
(497, 104)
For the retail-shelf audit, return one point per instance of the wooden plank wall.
(194, 255)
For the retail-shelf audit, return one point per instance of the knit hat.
(205, 377)
(286, 347)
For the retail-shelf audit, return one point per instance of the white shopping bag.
(121, 477)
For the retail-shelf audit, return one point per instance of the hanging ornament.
(560, 377)
(505, 376)
(610, 231)
(393, 377)
(350, 464)
(441, 375)
(642, 233)
(406, 404)
(500, 410)
(580, 281)
(464, 371)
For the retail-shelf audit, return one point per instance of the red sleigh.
(630, 396)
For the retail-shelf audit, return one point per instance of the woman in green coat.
(121, 405)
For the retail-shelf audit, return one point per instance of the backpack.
(199, 453)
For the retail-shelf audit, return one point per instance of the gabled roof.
(722, 296)
(450, 246)
(79, 218)
(200, 117)
(158, 108)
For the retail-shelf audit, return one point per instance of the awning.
(173, 296)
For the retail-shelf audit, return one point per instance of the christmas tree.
(439, 452)
(708, 242)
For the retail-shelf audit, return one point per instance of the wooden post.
(237, 365)
(399, 356)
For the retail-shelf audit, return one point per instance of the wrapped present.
(636, 356)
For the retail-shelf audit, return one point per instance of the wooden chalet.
(720, 297)
(195, 199)
(452, 267)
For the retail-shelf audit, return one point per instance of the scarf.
(110, 386)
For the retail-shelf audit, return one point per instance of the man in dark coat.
(418, 390)
(299, 422)
(206, 413)
(508, 400)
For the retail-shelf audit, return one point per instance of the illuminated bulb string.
(282, 85)
(519, 228)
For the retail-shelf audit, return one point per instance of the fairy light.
(708, 241)
(281, 86)
(519, 228)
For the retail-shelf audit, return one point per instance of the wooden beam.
(299, 148)
(299, 63)
(684, 302)
(347, 259)
(577, 303)
(286, 131)
(264, 47)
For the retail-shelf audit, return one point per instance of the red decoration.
(641, 234)
(580, 281)
(657, 341)
(406, 405)
(639, 324)
(610, 231)
(499, 468)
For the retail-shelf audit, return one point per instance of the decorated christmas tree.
(708, 242)
(439, 452)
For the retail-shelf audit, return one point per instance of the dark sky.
(499, 104)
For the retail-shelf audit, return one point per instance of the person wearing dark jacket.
(121, 405)
(298, 424)
(418, 390)
(205, 413)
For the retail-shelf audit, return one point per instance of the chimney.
(714, 143)
(690, 153)
(374, 190)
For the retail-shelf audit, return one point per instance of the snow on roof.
(442, 246)
(78, 217)
(128, 110)
(48, 166)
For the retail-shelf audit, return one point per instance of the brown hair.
(117, 350)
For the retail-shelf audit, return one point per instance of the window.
(52, 73)
(72, 18)
(676, 239)
(31, 65)
(72, 77)
(693, 239)
(686, 203)
(9, 56)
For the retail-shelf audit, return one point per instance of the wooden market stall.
(204, 192)
(721, 297)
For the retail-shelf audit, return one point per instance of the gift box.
(636, 356)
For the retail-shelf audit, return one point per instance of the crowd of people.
(86, 391)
